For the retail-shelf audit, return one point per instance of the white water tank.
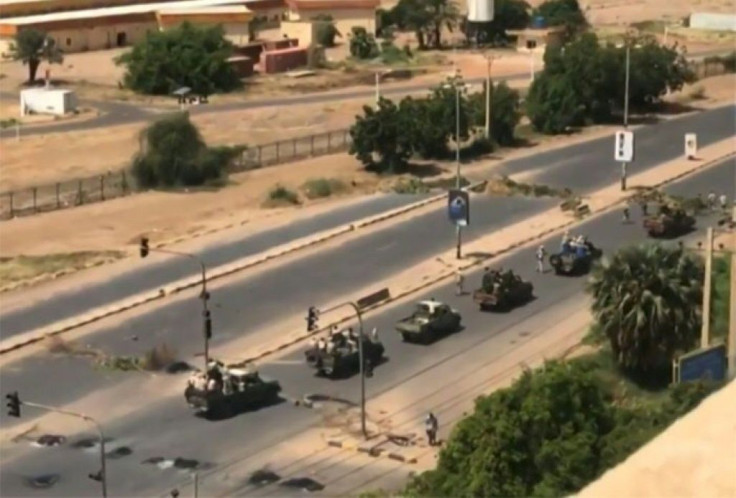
(480, 10)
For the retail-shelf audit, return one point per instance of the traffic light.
(312, 317)
(13, 404)
(207, 324)
(144, 247)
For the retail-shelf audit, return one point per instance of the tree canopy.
(185, 56)
(379, 140)
(173, 153)
(565, 13)
(31, 47)
(426, 18)
(507, 14)
(584, 81)
(647, 302)
(505, 112)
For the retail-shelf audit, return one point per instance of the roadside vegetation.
(27, 269)
(280, 196)
(31, 47)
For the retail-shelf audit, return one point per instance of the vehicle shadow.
(226, 415)
(348, 374)
(508, 309)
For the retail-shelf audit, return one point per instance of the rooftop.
(120, 10)
(332, 4)
(230, 9)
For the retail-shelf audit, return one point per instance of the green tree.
(426, 18)
(505, 112)
(552, 104)
(379, 138)
(31, 47)
(363, 44)
(507, 14)
(173, 153)
(192, 56)
(539, 437)
(326, 31)
(646, 300)
(564, 13)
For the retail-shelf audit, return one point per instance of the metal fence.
(99, 188)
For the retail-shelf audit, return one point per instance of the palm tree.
(32, 46)
(647, 301)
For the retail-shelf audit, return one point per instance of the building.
(713, 22)
(300, 15)
(78, 30)
(536, 39)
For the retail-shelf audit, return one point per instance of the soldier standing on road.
(459, 280)
(541, 253)
(712, 200)
(431, 425)
(723, 200)
(626, 215)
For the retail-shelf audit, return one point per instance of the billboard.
(702, 364)
(458, 207)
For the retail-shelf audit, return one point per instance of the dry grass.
(36, 268)
(158, 358)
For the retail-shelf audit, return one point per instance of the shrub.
(158, 358)
(410, 186)
(282, 194)
(174, 154)
(322, 187)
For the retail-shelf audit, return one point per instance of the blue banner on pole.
(458, 207)
(703, 364)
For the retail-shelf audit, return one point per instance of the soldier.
(374, 334)
(644, 208)
(459, 280)
(565, 241)
(431, 425)
(711, 199)
(321, 345)
(541, 253)
(723, 200)
(626, 217)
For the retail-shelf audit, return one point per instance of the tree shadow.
(424, 170)
(228, 414)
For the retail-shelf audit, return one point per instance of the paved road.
(167, 429)
(139, 279)
(583, 167)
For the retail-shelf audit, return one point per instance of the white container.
(480, 10)
(54, 101)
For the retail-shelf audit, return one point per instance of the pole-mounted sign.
(691, 145)
(624, 151)
(459, 207)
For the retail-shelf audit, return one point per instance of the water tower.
(480, 10)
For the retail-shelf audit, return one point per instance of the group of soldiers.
(218, 378)
(578, 245)
(496, 280)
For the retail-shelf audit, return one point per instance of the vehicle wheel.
(405, 337)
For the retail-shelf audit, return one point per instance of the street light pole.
(626, 111)
(205, 296)
(488, 98)
(707, 288)
(458, 228)
(87, 418)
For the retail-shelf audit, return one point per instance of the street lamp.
(489, 60)
(14, 405)
(358, 306)
(627, 44)
(458, 87)
(205, 296)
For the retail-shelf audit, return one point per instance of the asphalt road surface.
(583, 167)
(167, 269)
(167, 429)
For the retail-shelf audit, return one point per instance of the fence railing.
(61, 195)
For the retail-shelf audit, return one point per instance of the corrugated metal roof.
(120, 10)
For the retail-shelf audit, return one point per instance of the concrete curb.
(477, 262)
(219, 272)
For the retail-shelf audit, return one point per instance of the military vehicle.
(502, 291)
(430, 320)
(669, 222)
(576, 258)
(223, 392)
(339, 354)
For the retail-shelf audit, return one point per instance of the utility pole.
(489, 59)
(458, 228)
(707, 288)
(102, 475)
(204, 296)
(626, 111)
(732, 321)
(378, 88)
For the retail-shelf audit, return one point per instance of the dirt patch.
(35, 269)
(713, 89)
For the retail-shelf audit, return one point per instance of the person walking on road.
(459, 281)
(431, 425)
(723, 201)
(541, 253)
(626, 215)
(712, 200)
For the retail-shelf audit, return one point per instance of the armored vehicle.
(223, 392)
(669, 222)
(502, 290)
(575, 258)
(339, 354)
(430, 320)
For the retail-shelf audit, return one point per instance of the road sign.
(691, 145)
(459, 207)
(624, 151)
(702, 364)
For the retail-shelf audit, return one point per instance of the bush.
(191, 56)
(410, 186)
(282, 194)
(363, 44)
(322, 187)
(158, 358)
(174, 154)
(478, 147)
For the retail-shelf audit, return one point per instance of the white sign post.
(691, 145)
(624, 152)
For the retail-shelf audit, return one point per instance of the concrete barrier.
(106, 311)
